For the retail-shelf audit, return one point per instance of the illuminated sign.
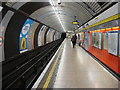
(1, 8)
(75, 22)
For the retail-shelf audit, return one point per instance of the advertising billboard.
(105, 41)
(82, 39)
(92, 39)
(119, 44)
(23, 40)
(97, 40)
(87, 40)
(113, 42)
(100, 40)
(40, 35)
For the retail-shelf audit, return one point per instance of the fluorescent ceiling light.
(1, 8)
(53, 3)
(69, 31)
(58, 1)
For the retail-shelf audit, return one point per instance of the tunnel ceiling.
(61, 15)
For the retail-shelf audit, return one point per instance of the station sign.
(75, 22)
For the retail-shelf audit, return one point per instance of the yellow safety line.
(117, 16)
(51, 72)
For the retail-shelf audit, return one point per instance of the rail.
(21, 71)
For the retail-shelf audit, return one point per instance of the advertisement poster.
(92, 39)
(100, 40)
(113, 42)
(105, 41)
(23, 41)
(40, 34)
(47, 35)
(97, 40)
(87, 40)
(82, 39)
(119, 44)
(31, 35)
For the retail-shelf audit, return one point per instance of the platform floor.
(78, 69)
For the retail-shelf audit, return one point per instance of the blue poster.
(23, 41)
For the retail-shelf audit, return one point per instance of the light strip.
(58, 1)
(55, 9)
(1, 8)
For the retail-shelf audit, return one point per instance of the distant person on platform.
(73, 39)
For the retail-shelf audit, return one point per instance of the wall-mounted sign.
(97, 40)
(1, 40)
(119, 44)
(40, 35)
(23, 42)
(87, 40)
(113, 42)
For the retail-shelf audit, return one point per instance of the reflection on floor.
(78, 69)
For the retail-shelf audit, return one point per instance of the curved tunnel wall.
(12, 34)
(35, 39)
(3, 26)
(49, 37)
(31, 34)
(40, 35)
(13, 30)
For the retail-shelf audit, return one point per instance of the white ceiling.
(83, 11)
(67, 11)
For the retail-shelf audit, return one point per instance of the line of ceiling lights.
(53, 4)
(1, 8)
